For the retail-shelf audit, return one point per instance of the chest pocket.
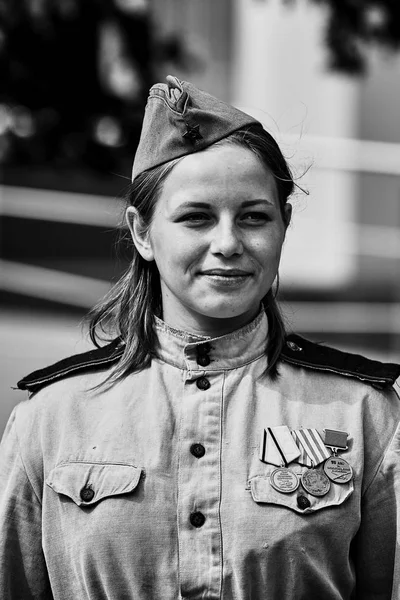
(86, 483)
(299, 500)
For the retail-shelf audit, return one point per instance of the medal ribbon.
(277, 446)
(312, 449)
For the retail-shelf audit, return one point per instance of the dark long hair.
(129, 308)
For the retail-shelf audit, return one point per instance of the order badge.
(284, 480)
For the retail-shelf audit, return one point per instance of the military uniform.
(154, 488)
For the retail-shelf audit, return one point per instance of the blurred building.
(340, 275)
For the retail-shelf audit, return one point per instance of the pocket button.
(303, 502)
(87, 494)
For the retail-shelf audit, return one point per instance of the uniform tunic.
(154, 489)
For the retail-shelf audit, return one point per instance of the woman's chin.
(239, 313)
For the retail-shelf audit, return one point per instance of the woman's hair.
(129, 308)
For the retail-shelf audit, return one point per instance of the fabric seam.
(23, 463)
(380, 463)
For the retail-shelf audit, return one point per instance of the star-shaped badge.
(192, 133)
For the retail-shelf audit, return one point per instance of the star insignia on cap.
(192, 133)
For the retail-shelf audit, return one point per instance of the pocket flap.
(86, 483)
(263, 492)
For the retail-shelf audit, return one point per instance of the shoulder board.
(79, 363)
(304, 353)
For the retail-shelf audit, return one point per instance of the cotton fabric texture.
(181, 119)
(130, 535)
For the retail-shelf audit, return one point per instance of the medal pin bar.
(336, 468)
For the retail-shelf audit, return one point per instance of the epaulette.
(90, 361)
(317, 357)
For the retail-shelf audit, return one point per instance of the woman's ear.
(287, 212)
(140, 234)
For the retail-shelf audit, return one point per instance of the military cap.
(181, 119)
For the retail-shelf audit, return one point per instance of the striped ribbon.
(312, 449)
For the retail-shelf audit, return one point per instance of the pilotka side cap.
(181, 119)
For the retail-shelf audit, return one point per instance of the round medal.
(284, 480)
(338, 470)
(315, 482)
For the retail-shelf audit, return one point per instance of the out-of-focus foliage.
(74, 76)
(353, 26)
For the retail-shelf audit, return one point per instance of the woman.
(202, 453)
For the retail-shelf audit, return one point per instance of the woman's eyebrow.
(194, 205)
(257, 201)
(207, 205)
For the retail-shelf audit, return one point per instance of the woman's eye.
(195, 218)
(255, 217)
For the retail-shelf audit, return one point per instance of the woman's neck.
(204, 326)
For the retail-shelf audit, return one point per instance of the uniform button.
(203, 360)
(197, 519)
(204, 348)
(203, 383)
(87, 494)
(303, 502)
(293, 346)
(197, 450)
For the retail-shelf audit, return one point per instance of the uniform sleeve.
(23, 574)
(378, 540)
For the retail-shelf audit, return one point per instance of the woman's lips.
(226, 272)
(226, 277)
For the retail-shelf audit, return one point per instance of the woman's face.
(216, 238)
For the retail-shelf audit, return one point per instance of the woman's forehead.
(227, 168)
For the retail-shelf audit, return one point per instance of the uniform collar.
(188, 351)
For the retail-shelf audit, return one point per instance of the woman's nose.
(226, 241)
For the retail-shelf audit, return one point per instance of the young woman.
(202, 452)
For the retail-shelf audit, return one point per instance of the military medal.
(284, 480)
(278, 448)
(315, 482)
(336, 468)
(313, 452)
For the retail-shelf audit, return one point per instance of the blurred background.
(322, 76)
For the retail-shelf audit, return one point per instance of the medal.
(336, 468)
(278, 448)
(313, 452)
(315, 482)
(284, 480)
